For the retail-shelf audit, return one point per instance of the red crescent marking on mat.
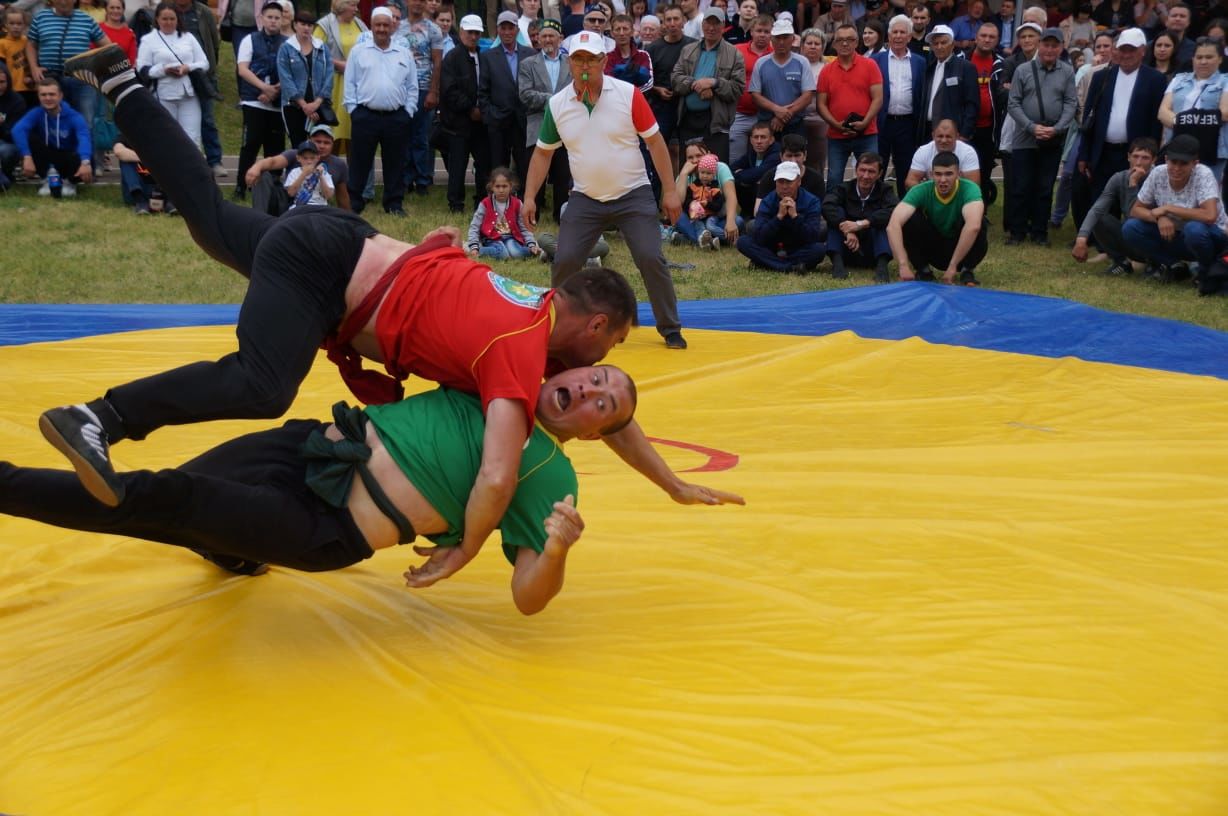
(717, 459)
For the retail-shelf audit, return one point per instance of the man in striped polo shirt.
(57, 33)
(600, 121)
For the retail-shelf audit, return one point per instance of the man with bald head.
(314, 496)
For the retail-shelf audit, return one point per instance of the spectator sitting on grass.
(549, 242)
(792, 148)
(1105, 218)
(269, 196)
(946, 138)
(941, 224)
(857, 213)
(706, 188)
(1178, 215)
(54, 134)
(788, 232)
(309, 184)
(498, 229)
(12, 108)
(750, 168)
(137, 185)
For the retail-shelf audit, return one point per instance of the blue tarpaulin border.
(977, 318)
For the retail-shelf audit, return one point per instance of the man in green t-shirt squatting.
(288, 496)
(940, 224)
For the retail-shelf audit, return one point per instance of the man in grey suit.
(499, 96)
(542, 76)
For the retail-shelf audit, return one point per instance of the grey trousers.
(1107, 231)
(635, 215)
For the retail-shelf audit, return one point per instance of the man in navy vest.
(260, 92)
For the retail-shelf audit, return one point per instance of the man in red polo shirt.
(850, 94)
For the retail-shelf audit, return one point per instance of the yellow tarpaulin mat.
(966, 582)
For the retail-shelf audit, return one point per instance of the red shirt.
(746, 102)
(123, 37)
(454, 321)
(848, 91)
(984, 67)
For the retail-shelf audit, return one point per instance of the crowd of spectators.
(1114, 113)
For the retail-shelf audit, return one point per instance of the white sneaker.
(220, 172)
(705, 239)
(716, 244)
(45, 190)
(70, 189)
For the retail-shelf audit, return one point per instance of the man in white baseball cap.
(789, 233)
(610, 183)
(783, 84)
(950, 90)
(1121, 102)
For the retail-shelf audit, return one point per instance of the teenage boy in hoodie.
(54, 133)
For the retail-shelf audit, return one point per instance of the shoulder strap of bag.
(1040, 96)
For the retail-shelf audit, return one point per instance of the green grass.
(93, 250)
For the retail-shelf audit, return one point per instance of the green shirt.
(945, 215)
(436, 440)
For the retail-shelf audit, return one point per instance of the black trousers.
(389, 131)
(927, 247)
(245, 498)
(66, 161)
(263, 130)
(506, 141)
(1113, 158)
(298, 266)
(295, 123)
(986, 156)
(897, 141)
(1033, 173)
(464, 144)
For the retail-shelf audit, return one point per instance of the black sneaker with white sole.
(76, 432)
(105, 68)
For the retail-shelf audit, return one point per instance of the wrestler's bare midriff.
(376, 528)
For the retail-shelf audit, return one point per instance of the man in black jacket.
(857, 213)
(951, 89)
(1103, 150)
(461, 117)
(499, 97)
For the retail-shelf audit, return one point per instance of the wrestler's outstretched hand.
(440, 563)
(452, 233)
(563, 527)
(698, 494)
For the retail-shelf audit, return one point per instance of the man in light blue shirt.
(381, 94)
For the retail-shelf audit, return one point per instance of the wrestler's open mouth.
(562, 398)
